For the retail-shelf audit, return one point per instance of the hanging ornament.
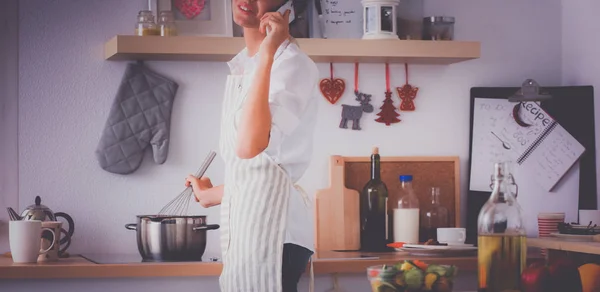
(407, 94)
(190, 8)
(355, 112)
(388, 114)
(332, 88)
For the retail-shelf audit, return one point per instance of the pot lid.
(37, 211)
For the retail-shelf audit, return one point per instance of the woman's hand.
(279, 30)
(200, 187)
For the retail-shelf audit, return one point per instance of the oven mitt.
(140, 116)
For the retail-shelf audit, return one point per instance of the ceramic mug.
(24, 240)
(48, 241)
(585, 216)
(452, 236)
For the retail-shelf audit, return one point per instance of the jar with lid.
(406, 214)
(145, 24)
(166, 24)
(438, 28)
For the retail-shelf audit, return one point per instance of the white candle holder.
(379, 19)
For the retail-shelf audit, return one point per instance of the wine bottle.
(373, 210)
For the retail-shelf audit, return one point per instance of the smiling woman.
(267, 128)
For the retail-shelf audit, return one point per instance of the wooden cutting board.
(337, 212)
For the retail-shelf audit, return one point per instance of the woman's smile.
(247, 13)
(245, 8)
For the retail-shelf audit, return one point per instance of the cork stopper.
(375, 150)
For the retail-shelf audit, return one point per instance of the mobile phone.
(283, 8)
(286, 6)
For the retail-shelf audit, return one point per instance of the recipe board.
(572, 108)
(539, 146)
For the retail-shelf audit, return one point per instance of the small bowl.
(392, 278)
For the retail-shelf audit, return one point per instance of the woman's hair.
(300, 5)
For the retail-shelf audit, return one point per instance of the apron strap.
(311, 283)
(304, 195)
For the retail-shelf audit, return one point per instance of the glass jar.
(438, 28)
(501, 237)
(166, 24)
(406, 215)
(145, 24)
(434, 217)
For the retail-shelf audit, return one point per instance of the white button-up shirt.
(293, 103)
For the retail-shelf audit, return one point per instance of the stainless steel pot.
(171, 238)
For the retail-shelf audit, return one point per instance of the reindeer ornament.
(355, 112)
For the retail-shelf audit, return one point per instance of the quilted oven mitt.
(140, 116)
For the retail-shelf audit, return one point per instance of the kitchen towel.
(140, 116)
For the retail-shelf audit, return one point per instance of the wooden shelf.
(573, 246)
(196, 48)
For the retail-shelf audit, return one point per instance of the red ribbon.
(387, 78)
(406, 70)
(355, 77)
(331, 70)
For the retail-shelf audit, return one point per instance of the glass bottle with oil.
(502, 250)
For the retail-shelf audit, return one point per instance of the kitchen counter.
(326, 262)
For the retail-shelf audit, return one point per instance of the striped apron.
(253, 209)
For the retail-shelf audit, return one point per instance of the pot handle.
(71, 229)
(206, 227)
(131, 226)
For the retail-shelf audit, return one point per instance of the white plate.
(441, 247)
(573, 237)
(463, 251)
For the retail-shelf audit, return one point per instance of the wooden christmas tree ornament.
(388, 114)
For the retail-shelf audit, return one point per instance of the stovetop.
(105, 258)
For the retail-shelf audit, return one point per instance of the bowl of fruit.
(412, 276)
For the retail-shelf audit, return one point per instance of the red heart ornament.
(190, 8)
(332, 89)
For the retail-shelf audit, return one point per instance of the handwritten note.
(343, 18)
(487, 147)
(553, 157)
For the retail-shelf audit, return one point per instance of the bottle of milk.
(406, 214)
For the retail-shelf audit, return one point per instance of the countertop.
(325, 262)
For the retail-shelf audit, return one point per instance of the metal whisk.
(179, 205)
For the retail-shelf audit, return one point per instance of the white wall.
(9, 181)
(580, 61)
(66, 89)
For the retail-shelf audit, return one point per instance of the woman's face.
(247, 13)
